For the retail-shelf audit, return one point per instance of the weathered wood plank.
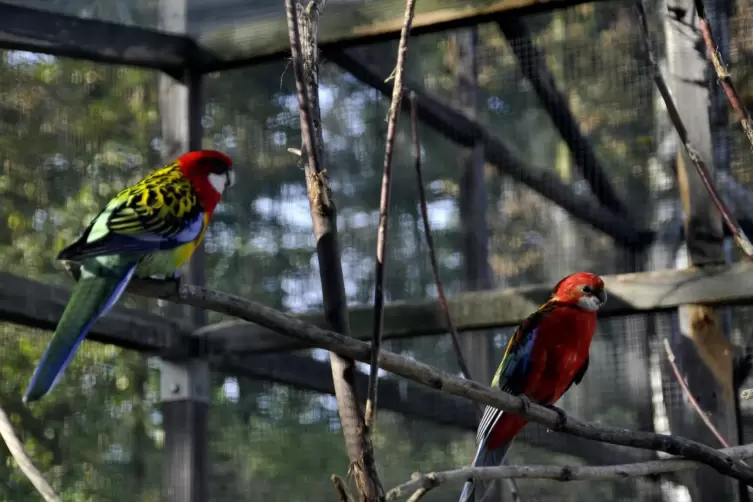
(628, 294)
(27, 29)
(32, 303)
(261, 36)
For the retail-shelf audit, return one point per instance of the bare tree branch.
(462, 364)
(422, 373)
(430, 241)
(16, 449)
(556, 472)
(725, 79)
(324, 219)
(689, 395)
(729, 220)
(342, 489)
(384, 204)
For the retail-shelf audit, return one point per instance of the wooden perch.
(556, 472)
(422, 373)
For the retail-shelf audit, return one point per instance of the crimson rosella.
(544, 357)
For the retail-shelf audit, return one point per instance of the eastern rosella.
(149, 229)
(544, 357)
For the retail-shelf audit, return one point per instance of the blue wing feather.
(145, 242)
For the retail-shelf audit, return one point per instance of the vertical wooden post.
(478, 347)
(185, 384)
(704, 353)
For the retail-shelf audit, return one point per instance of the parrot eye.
(588, 290)
(214, 166)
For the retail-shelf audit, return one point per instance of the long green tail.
(93, 295)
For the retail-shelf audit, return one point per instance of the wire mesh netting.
(73, 133)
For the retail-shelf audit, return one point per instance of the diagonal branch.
(468, 132)
(556, 472)
(721, 71)
(324, 220)
(532, 62)
(729, 220)
(384, 205)
(430, 242)
(416, 371)
(25, 464)
(693, 401)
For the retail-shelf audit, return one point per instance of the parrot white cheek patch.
(589, 303)
(218, 182)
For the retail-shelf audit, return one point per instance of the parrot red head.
(582, 289)
(210, 172)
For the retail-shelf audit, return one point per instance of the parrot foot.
(525, 403)
(561, 416)
(171, 280)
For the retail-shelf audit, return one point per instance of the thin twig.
(689, 395)
(324, 219)
(307, 124)
(430, 241)
(462, 364)
(419, 494)
(16, 449)
(429, 376)
(384, 203)
(342, 489)
(674, 114)
(725, 79)
(557, 472)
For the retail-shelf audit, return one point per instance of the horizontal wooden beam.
(467, 132)
(410, 400)
(229, 45)
(27, 29)
(233, 32)
(628, 294)
(34, 304)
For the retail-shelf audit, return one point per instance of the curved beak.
(230, 179)
(601, 294)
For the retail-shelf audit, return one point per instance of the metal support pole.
(184, 384)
